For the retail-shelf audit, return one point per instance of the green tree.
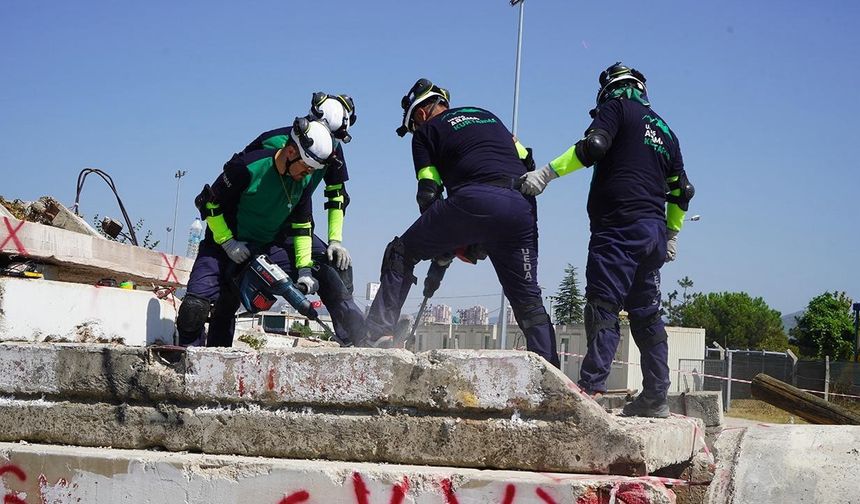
(674, 308)
(302, 330)
(568, 303)
(736, 320)
(826, 327)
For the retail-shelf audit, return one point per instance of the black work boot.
(645, 406)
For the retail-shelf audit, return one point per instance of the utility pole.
(503, 311)
(178, 176)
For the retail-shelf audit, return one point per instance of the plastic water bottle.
(195, 236)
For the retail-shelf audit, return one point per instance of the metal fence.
(730, 372)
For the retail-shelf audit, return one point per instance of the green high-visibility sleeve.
(430, 172)
(216, 223)
(521, 150)
(567, 162)
(335, 215)
(674, 214)
(302, 246)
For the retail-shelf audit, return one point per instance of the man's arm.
(223, 193)
(429, 180)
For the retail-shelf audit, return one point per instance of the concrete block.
(86, 258)
(706, 406)
(60, 475)
(44, 310)
(488, 409)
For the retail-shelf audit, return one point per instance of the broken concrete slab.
(60, 474)
(43, 310)
(706, 405)
(87, 259)
(487, 409)
(47, 210)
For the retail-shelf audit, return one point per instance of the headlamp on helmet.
(618, 75)
(422, 91)
(335, 111)
(314, 142)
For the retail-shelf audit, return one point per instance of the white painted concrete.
(40, 310)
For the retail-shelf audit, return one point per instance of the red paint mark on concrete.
(398, 492)
(296, 497)
(171, 268)
(15, 470)
(43, 487)
(241, 386)
(447, 489)
(270, 382)
(361, 491)
(544, 496)
(591, 497)
(510, 491)
(13, 499)
(632, 493)
(13, 236)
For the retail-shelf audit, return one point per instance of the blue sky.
(759, 93)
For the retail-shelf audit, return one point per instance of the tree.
(826, 327)
(569, 301)
(303, 330)
(736, 320)
(674, 310)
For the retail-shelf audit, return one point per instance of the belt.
(506, 182)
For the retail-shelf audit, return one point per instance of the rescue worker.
(257, 197)
(639, 194)
(332, 260)
(471, 154)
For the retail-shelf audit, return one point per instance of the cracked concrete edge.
(56, 474)
(727, 450)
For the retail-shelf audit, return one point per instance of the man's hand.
(338, 255)
(672, 246)
(534, 182)
(307, 280)
(237, 251)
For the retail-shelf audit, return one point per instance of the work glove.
(672, 246)
(338, 255)
(236, 250)
(307, 280)
(534, 182)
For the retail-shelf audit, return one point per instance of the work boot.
(644, 406)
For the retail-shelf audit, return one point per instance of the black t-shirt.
(629, 183)
(277, 139)
(466, 145)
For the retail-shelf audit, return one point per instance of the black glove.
(428, 192)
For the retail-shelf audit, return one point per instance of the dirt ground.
(760, 411)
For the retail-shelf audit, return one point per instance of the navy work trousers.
(505, 223)
(210, 280)
(623, 270)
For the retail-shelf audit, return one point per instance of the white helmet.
(313, 141)
(335, 111)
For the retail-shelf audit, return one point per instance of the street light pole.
(503, 311)
(178, 176)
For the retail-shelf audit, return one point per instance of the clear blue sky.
(760, 94)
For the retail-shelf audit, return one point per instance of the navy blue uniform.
(626, 207)
(477, 161)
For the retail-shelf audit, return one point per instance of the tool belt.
(507, 182)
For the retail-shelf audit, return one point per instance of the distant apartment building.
(369, 295)
(509, 313)
(476, 315)
(441, 314)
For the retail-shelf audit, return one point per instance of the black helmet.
(422, 91)
(618, 75)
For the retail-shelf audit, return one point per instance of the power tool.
(260, 281)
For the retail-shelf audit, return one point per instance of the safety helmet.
(422, 91)
(335, 111)
(313, 141)
(618, 75)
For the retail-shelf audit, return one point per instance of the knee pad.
(331, 284)
(396, 260)
(346, 278)
(193, 313)
(530, 315)
(595, 320)
(648, 331)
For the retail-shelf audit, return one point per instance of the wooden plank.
(86, 259)
(803, 404)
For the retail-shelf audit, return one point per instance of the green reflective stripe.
(521, 150)
(333, 187)
(220, 231)
(567, 162)
(275, 142)
(302, 246)
(335, 224)
(674, 217)
(430, 172)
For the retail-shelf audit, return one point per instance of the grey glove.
(672, 246)
(338, 255)
(306, 279)
(534, 182)
(236, 250)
